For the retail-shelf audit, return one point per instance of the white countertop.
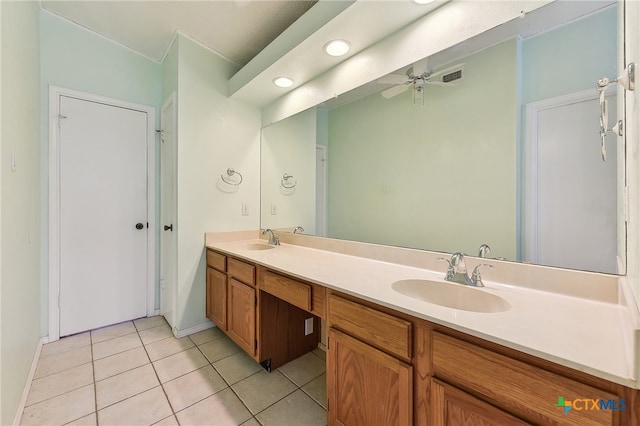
(587, 335)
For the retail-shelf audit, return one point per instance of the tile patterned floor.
(137, 373)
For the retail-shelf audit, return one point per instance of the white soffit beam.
(362, 23)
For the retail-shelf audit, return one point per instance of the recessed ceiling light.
(423, 1)
(337, 47)
(283, 82)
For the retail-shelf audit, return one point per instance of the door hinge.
(625, 203)
(60, 118)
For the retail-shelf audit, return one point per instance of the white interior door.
(575, 201)
(103, 221)
(168, 210)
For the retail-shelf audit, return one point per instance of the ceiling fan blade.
(394, 91)
(393, 79)
(440, 83)
(419, 67)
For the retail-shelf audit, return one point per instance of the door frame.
(530, 220)
(171, 102)
(55, 92)
(322, 231)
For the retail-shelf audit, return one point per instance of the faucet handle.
(449, 269)
(476, 277)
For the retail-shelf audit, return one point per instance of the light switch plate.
(308, 326)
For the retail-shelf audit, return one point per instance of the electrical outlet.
(274, 209)
(245, 209)
(308, 326)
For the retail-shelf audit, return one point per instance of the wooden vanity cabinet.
(369, 381)
(231, 298)
(216, 291)
(453, 378)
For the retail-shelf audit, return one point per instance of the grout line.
(158, 377)
(95, 389)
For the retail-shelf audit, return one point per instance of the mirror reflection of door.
(574, 202)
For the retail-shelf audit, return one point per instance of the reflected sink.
(455, 296)
(254, 246)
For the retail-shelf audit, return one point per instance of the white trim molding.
(55, 93)
(27, 386)
(192, 330)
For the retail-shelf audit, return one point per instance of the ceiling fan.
(417, 77)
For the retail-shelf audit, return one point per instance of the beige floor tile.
(303, 369)
(179, 364)
(251, 422)
(62, 409)
(217, 349)
(193, 387)
(263, 389)
(166, 347)
(169, 421)
(294, 410)
(317, 389)
(119, 363)
(237, 367)
(144, 323)
(124, 385)
(319, 352)
(62, 361)
(207, 335)
(154, 334)
(65, 344)
(90, 420)
(223, 408)
(143, 409)
(60, 383)
(112, 331)
(116, 345)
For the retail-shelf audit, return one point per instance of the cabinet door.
(242, 315)
(217, 297)
(365, 385)
(452, 407)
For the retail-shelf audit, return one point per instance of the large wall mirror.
(499, 146)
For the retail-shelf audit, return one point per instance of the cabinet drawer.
(291, 291)
(241, 271)
(526, 391)
(383, 331)
(217, 261)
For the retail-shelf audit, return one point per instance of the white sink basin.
(254, 246)
(455, 296)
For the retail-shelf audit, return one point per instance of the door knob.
(139, 225)
(168, 227)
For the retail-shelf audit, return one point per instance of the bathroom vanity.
(395, 359)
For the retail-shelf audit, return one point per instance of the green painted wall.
(549, 60)
(442, 177)
(214, 133)
(20, 202)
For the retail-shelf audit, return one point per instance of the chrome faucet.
(457, 271)
(299, 229)
(272, 237)
(484, 250)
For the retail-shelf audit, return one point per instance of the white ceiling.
(236, 29)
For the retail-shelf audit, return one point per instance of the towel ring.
(230, 173)
(286, 181)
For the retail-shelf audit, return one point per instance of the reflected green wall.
(439, 177)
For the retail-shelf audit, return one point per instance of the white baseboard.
(194, 329)
(27, 385)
